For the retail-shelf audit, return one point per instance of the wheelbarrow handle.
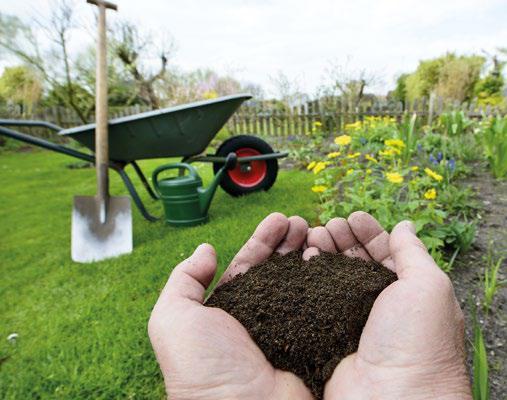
(45, 144)
(154, 177)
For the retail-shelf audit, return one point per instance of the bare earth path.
(492, 195)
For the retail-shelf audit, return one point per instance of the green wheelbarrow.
(182, 131)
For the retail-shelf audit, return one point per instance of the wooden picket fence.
(276, 119)
(268, 119)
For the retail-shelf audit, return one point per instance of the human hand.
(205, 353)
(412, 346)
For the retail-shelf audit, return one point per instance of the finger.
(266, 238)
(192, 277)
(409, 253)
(372, 237)
(345, 240)
(320, 237)
(310, 252)
(295, 237)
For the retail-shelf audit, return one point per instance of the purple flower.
(433, 160)
(419, 147)
(451, 164)
(440, 156)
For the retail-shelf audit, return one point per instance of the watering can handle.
(165, 167)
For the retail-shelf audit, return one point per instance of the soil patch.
(306, 316)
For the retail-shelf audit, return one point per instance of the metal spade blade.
(93, 240)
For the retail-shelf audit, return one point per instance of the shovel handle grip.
(165, 167)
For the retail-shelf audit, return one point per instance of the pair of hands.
(412, 346)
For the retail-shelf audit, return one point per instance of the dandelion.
(349, 171)
(415, 168)
(394, 177)
(311, 165)
(343, 140)
(317, 124)
(353, 155)
(430, 194)
(433, 174)
(397, 143)
(334, 154)
(370, 158)
(319, 188)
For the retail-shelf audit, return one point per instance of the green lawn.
(82, 328)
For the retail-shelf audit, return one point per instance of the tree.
(450, 76)
(54, 63)
(20, 85)
(349, 84)
(133, 48)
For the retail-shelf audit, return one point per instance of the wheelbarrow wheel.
(247, 177)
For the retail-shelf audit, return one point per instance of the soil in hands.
(306, 316)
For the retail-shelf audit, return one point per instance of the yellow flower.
(355, 126)
(319, 188)
(353, 155)
(343, 140)
(368, 171)
(430, 194)
(349, 171)
(321, 165)
(398, 143)
(334, 154)
(370, 158)
(317, 124)
(415, 168)
(433, 175)
(389, 152)
(394, 177)
(311, 165)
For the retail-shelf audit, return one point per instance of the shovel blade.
(93, 240)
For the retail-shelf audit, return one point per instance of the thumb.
(411, 258)
(190, 279)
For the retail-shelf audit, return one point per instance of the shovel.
(101, 224)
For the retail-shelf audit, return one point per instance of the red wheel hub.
(248, 174)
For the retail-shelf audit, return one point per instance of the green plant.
(489, 280)
(454, 123)
(494, 140)
(480, 387)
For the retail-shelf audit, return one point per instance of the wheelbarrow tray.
(181, 131)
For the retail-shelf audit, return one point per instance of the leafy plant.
(480, 387)
(454, 123)
(490, 278)
(494, 140)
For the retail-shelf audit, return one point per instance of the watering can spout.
(206, 194)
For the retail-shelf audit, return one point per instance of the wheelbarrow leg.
(135, 196)
(144, 181)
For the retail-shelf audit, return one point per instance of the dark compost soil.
(305, 315)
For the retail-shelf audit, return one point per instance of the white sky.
(254, 39)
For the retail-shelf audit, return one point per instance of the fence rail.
(275, 118)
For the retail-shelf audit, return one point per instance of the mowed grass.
(82, 327)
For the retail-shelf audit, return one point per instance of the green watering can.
(186, 202)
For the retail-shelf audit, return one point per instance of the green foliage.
(400, 92)
(82, 328)
(303, 149)
(454, 123)
(449, 76)
(20, 85)
(490, 281)
(480, 389)
(494, 140)
(379, 168)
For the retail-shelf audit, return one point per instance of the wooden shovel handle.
(105, 4)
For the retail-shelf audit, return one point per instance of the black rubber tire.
(235, 143)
